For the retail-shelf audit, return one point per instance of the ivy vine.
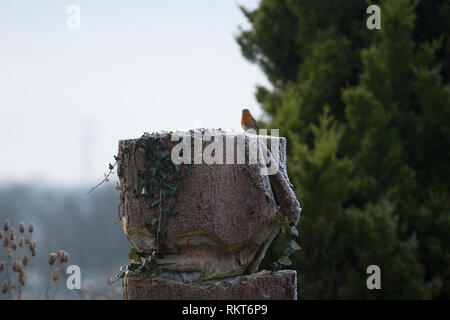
(290, 247)
(159, 181)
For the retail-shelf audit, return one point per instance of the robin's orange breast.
(246, 119)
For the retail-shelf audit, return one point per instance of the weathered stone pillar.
(201, 230)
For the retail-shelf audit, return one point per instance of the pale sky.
(134, 66)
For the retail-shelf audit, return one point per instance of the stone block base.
(281, 285)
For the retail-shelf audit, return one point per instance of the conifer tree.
(366, 116)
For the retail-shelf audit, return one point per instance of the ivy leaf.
(144, 192)
(285, 261)
(293, 231)
(126, 150)
(154, 182)
(154, 203)
(164, 154)
(294, 245)
(171, 187)
(141, 181)
(133, 254)
(288, 251)
(133, 266)
(275, 266)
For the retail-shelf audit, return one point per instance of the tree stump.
(200, 222)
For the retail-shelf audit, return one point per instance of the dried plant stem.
(8, 276)
(48, 284)
(104, 180)
(56, 289)
(19, 296)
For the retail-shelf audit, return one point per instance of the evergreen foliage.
(366, 114)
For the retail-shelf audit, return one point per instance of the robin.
(248, 122)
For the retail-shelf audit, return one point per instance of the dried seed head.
(6, 242)
(33, 253)
(9, 253)
(1, 235)
(56, 274)
(6, 225)
(25, 259)
(5, 287)
(17, 266)
(11, 234)
(30, 228)
(2, 265)
(27, 240)
(32, 245)
(52, 258)
(21, 227)
(62, 256)
(14, 245)
(21, 242)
